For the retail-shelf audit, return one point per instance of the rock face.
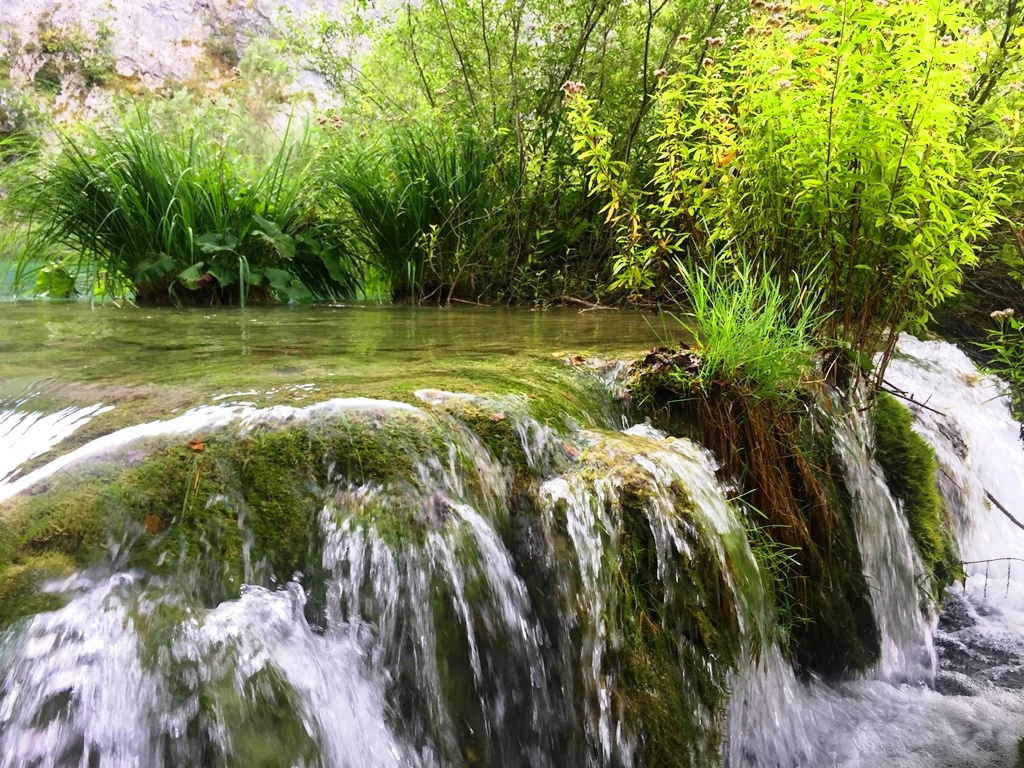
(70, 43)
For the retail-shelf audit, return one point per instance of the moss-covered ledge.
(911, 470)
(780, 459)
(225, 506)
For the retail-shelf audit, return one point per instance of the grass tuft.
(421, 209)
(750, 335)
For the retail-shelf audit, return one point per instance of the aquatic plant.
(178, 215)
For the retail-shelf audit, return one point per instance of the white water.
(24, 435)
(44, 434)
(894, 717)
(981, 455)
(891, 564)
(84, 690)
(588, 504)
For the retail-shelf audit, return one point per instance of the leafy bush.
(70, 47)
(420, 208)
(180, 215)
(430, 68)
(835, 132)
(1005, 352)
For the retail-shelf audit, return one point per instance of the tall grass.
(750, 334)
(179, 215)
(424, 210)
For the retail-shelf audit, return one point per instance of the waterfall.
(954, 701)
(86, 685)
(481, 585)
(891, 564)
(492, 603)
(966, 418)
(591, 509)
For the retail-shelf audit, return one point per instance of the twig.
(472, 303)
(581, 302)
(1004, 510)
(897, 392)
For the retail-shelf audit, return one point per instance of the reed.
(423, 210)
(180, 215)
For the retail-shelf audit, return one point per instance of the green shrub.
(421, 208)
(832, 132)
(70, 47)
(180, 215)
(1005, 351)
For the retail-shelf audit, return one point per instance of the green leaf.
(216, 242)
(190, 275)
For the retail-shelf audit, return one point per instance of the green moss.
(679, 631)
(263, 723)
(785, 469)
(20, 584)
(496, 429)
(910, 470)
(674, 661)
(176, 506)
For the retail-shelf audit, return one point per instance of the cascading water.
(971, 713)
(24, 435)
(591, 510)
(450, 616)
(891, 563)
(966, 418)
(89, 684)
(519, 594)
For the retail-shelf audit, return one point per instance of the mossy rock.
(675, 690)
(835, 630)
(186, 504)
(20, 586)
(506, 426)
(679, 634)
(784, 467)
(263, 722)
(911, 469)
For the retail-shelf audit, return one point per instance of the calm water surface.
(358, 344)
(150, 363)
